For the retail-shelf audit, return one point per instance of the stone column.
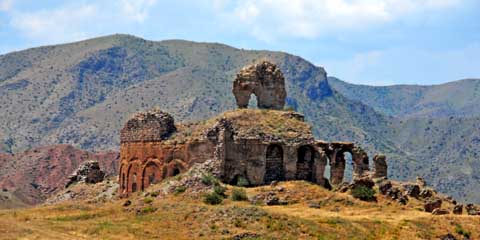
(290, 162)
(360, 162)
(380, 162)
(319, 166)
(337, 168)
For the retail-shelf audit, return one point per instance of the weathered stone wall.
(144, 163)
(149, 126)
(263, 162)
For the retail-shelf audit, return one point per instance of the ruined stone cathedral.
(256, 145)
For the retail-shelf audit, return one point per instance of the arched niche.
(151, 174)
(274, 164)
(132, 177)
(175, 167)
(305, 160)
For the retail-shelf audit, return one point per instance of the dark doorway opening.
(305, 160)
(274, 164)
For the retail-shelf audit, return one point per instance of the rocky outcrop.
(88, 172)
(440, 211)
(472, 209)
(412, 190)
(384, 187)
(421, 182)
(458, 209)
(263, 79)
(432, 205)
(37, 174)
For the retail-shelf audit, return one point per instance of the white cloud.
(137, 10)
(6, 5)
(63, 24)
(312, 18)
(407, 65)
(79, 20)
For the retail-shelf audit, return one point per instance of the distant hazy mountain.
(458, 99)
(82, 93)
(438, 124)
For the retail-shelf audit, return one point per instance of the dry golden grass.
(185, 216)
(248, 123)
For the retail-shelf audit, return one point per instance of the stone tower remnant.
(263, 79)
(380, 162)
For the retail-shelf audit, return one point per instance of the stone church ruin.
(256, 145)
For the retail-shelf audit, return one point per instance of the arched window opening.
(253, 102)
(326, 173)
(274, 164)
(151, 175)
(123, 181)
(134, 183)
(348, 174)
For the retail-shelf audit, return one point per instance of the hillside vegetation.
(184, 216)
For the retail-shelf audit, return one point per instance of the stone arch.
(349, 171)
(265, 80)
(175, 167)
(273, 164)
(305, 160)
(132, 177)
(239, 179)
(151, 174)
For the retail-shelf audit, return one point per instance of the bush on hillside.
(212, 198)
(239, 194)
(363, 193)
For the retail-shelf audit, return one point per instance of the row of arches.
(274, 163)
(305, 169)
(135, 177)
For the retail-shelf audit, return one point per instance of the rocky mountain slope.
(32, 176)
(453, 99)
(438, 124)
(82, 93)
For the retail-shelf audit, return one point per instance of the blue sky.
(376, 42)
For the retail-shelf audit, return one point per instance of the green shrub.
(148, 200)
(212, 198)
(146, 210)
(220, 190)
(459, 229)
(242, 182)
(239, 194)
(209, 180)
(180, 189)
(363, 193)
